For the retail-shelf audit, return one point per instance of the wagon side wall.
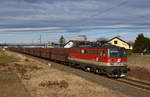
(60, 54)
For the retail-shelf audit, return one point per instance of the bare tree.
(101, 39)
(84, 36)
(131, 42)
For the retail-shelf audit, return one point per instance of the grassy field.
(5, 59)
(140, 67)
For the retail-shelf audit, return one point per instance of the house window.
(115, 42)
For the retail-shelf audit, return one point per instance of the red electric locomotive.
(107, 59)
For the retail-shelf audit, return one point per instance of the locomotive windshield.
(116, 52)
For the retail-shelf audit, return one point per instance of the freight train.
(109, 60)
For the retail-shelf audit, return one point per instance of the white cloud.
(73, 13)
(29, 29)
(65, 29)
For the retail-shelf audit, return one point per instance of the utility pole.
(32, 42)
(40, 39)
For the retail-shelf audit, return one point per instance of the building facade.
(119, 42)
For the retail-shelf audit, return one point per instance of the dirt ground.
(41, 80)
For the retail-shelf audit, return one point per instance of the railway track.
(135, 83)
(127, 86)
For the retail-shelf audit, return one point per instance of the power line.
(111, 8)
(40, 39)
(120, 4)
(135, 18)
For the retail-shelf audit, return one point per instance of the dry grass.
(10, 86)
(54, 83)
(140, 61)
(140, 73)
(140, 67)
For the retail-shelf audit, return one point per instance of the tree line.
(141, 44)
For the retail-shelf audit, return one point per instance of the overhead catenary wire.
(113, 7)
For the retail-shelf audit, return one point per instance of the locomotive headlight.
(125, 63)
(119, 60)
(112, 63)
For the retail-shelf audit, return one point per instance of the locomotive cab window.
(123, 53)
(117, 52)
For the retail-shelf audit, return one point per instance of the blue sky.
(23, 21)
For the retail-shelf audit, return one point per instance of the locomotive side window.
(104, 54)
(76, 51)
(100, 52)
(89, 51)
(92, 51)
(95, 51)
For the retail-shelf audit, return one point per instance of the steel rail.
(135, 83)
